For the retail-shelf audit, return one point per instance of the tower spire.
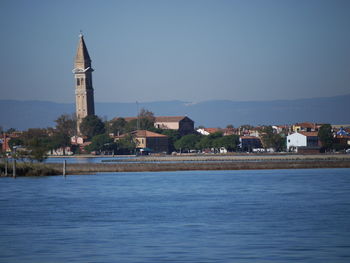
(84, 92)
(82, 58)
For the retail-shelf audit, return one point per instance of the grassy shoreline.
(185, 163)
(158, 167)
(29, 169)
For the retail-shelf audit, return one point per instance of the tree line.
(35, 144)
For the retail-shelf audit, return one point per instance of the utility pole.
(14, 168)
(138, 116)
(14, 161)
(64, 168)
(6, 164)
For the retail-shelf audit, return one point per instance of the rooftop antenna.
(138, 116)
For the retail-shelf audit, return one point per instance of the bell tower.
(84, 92)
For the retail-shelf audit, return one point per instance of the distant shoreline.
(225, 162)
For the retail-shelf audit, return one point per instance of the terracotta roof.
(212, 130)
(306, 124)
(309, 134)
(230, 131)
(169, 118)
(145, 133)
(157, 119)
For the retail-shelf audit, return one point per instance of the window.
(78, 82)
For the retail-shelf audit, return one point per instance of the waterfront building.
(84, 92)
(147, 141)
(249, 143)
(306, 127)
(183, 124)
(301, 140)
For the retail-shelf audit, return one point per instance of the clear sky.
(190, 50)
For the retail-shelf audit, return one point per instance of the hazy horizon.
(191, 51)
(187, 102)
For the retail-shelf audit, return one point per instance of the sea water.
(192, 216)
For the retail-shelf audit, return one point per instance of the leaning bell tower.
(84, 92)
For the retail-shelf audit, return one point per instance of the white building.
(61, 151)
(302, 139)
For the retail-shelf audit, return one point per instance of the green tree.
(230, 142)
(66, 124)
(38, 149)
(91, 126)
(272, 140)
(118, 126)
(215, 135)
(126, 145)
(187, 142)
(59, 140)
(144, 113)
(100, 143)
(131, 126)
(207, 142)
(37, 143)
(144, 121)
(325, 136)
(204, 143)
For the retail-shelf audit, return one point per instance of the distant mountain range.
(215, 113)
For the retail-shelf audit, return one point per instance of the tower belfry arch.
(84, 92)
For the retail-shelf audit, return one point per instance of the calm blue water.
(204, 216)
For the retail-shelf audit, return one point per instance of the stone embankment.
(214, 162)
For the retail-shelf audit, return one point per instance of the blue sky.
(190, 50)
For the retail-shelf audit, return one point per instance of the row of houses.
(247, 130)
(300, 137)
